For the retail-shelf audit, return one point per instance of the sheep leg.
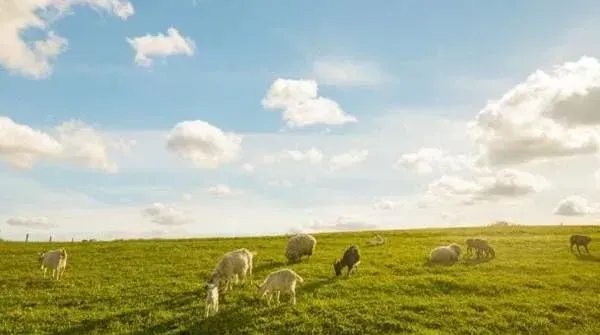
(269, 297)
(206, 310)
(44, 272)
(579, 251)
(250, 275)
(216, 307)
(586, 249)
(293, 297)
(277, 297)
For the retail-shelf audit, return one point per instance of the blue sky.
(411, 73)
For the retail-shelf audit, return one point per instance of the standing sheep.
(376, 240)
(55, 260)
(580, 240)
(446, 254)
(278, 281)
(236, 263)
(351, 259)
(298, 246)
(481, 246)
(212, 299)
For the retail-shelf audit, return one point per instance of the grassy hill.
(533, 286)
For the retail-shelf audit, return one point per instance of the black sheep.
(350, 260)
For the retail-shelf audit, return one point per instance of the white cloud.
(149, 46)
(86, 146)
(550, 115)
(339, 72)
(504, 184)
(387, 204)
(34, 58)
(342, 223)
(347, 159)
(220, 190)
(21, 146)
(575, 205)
(312, 155)
(280, 183)
(426, 160)
(205, 145)
(30, 222)
(165, 215)
(249, 168)
(301, 105)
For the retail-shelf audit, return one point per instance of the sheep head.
(337, 267)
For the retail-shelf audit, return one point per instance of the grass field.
(535, 285)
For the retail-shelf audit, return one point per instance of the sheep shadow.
(430, 263)
(587, 258)
(268, 265)
(313, 285)
(476, 261)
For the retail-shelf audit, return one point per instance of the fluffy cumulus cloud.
(165, 215)
(248, 168)
(549, 115)
(387, 204)
(504, 184)
(338, 72)
(301, 105)
(342, 223)
(73, 141)
(347, 159)
(203, 144)
(30, 222)
(575, 205)
(220, 190)
(312, 155)
(149, 46)
(34, 58)
(426, 160)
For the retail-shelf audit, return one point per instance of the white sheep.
(212, 299)
(55, 260)
(445, 254)
(278, 281)
(300, 245)
(376, 240)
(233, 265)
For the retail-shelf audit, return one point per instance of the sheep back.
(300, 245)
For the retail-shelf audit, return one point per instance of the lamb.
(278, 281)
(580, 240)
(445, 254)
(351, 259)
(481, 246)
(55, 260)
(376, 240)
(236, 263)
(300, 245)
(212, 299)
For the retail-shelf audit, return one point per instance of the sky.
(183, 118)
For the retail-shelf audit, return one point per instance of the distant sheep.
(212, 299)
(580, 240)
(300, 245)
(350, 259)
(445, 254)
(481, 247)
(283, 280)
(55, 260)
(234, 264)
(376, 240)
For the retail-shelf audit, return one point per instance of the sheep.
(212, 299)
(300, 245)
(580, 240)
(376, 240)
(236, 263)
(55, 260)
(445, 254)
(278, 281)
(480, 245)
(351, 259)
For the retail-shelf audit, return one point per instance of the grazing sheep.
(278, 281)
(212, 299)
(234, 264)
(351, 259)
(480, 245)
(580, 240)
(298, 246)
(376, 240)
(445, 254)
(55, 260)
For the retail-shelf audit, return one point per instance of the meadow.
(535, 285)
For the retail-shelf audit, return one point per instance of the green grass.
(533, 286)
